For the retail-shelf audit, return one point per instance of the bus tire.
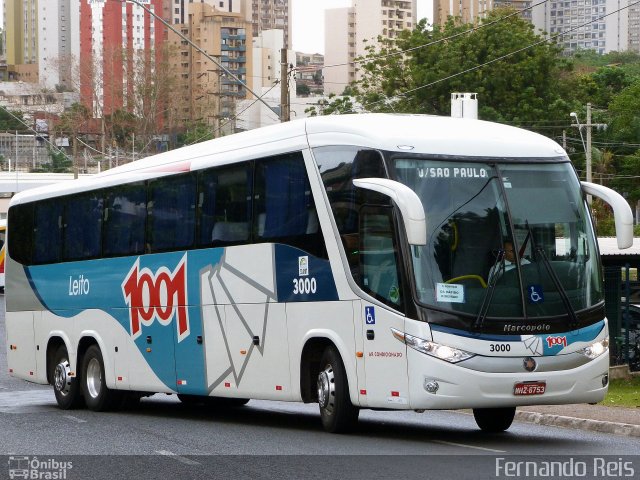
(494, 420)
(97, 395)
(336, 410)
(65, 387)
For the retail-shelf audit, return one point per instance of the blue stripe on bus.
(68, 289)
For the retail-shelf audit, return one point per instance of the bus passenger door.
(378, 275)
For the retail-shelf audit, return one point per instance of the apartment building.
(59, 43)
(20, 28)
(348, 31)
(207, 92)
(600, 25)
(468, 10)
(268, 15)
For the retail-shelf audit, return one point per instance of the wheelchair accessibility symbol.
(536, 295)
(369, 315)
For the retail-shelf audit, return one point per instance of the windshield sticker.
(535, 294)
(449, 292)
(457, 172)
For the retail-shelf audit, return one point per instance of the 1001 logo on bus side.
(159, 296)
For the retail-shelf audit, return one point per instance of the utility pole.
(588, 126)
(284, 87)
(587, 144)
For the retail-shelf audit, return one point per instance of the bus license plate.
(530, 388)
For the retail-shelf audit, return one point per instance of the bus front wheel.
(336, 410)
(65, 385)
(494, 420)
(97, 395)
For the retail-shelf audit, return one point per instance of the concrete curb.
(579, 423)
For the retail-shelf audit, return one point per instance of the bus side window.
(285, 211)
(21, 222)
(379, 273)
(48, 232)
(83, 227)
(224, 205)
(171, 213)
(125, 218)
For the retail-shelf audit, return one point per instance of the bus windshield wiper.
(573, 319)
(491, 286)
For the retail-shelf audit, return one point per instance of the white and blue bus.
(356, 261)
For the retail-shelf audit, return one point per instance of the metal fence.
(622, 297)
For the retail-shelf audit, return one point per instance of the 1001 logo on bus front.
(159, 296)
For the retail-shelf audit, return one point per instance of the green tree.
(11, 120)
(331, 105)
(302, 90)
(519, 88)
(60, 163)
(195, 133)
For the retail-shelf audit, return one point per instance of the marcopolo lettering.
(159, 296)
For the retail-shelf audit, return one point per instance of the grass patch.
(623, 393)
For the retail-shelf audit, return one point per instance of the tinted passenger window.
(284, 206)
(225, 205)
(83, 227)
(47, 237)
(338, 167)
(125, 213)
(172, 213)
(21, 225)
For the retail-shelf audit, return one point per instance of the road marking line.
(469, 446)
(179, 458)
(75, 419)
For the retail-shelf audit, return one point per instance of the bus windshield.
(504, 240)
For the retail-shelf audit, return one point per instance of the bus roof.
(423, 134)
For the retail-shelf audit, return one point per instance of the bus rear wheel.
(494, 420)
(97, 395)
(336, 410)
(65, 386)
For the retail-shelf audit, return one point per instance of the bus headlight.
(443, 352)
(596, 349)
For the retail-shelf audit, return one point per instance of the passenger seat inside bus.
(230, 232)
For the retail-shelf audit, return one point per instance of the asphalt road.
(264, 439)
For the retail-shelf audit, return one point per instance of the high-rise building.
(582, 25)
(207, 93)
(349, 31)
(634, 28)
(269, 15)
(59, 42)
(468, 10)
(120, 48)
(177, 11)
(21, 39)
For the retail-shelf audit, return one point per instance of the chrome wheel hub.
(94, 378)
(62, 378)
(326, 389)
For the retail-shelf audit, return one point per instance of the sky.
(308, 21)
